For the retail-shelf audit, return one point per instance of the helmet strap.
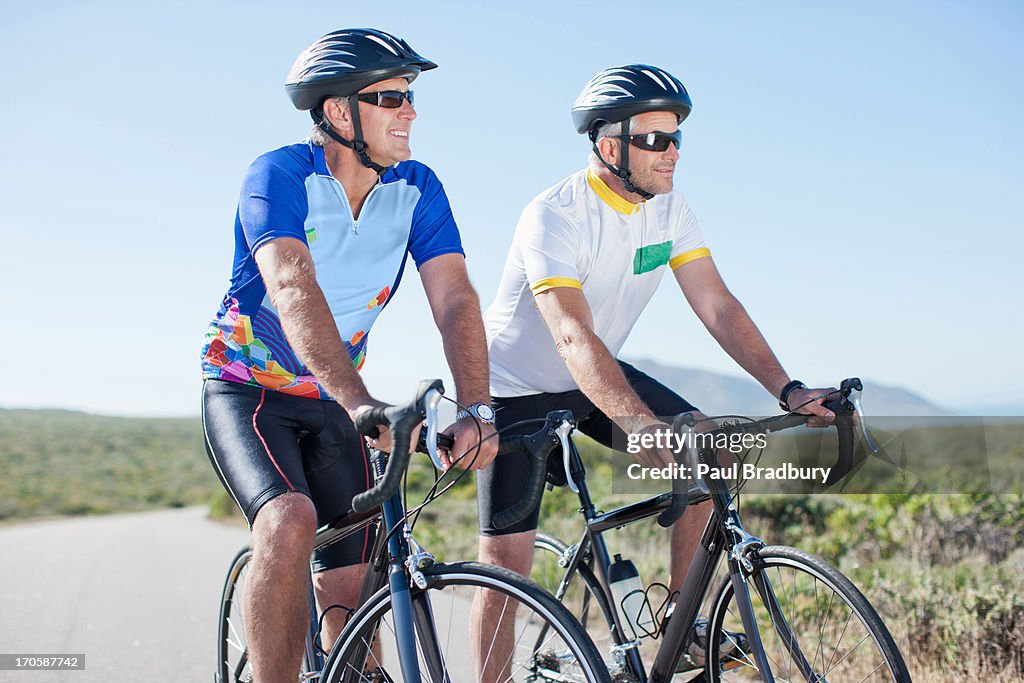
(622, 172)
(356, 144)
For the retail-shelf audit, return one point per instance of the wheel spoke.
(872, 672)
(850, 651)
(234, 640)
(490, 649)
(370, 654)
(818, 647)
(775, 626)
(828, 667)
(787, 648)
(828, 614)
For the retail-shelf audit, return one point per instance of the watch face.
(485, 412)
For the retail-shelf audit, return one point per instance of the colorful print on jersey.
(234, 352)
(379, 300)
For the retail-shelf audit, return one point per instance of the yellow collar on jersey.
(606, 193)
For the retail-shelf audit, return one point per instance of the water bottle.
(628, 596)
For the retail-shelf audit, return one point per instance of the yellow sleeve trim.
(688, 256)
(553, 282)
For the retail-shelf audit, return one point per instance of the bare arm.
(290, 277)
(597, 373)
(591, 364)
(728, 322)
(456, 309)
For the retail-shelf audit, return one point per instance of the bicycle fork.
(743, 562)
(414, 619)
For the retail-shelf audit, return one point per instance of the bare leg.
(338, 587)
(490, 617)
(685, 535)
(277, 599)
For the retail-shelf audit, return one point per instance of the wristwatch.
(480, 411)
(786, 391)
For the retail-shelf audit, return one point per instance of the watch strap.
(475, 411)
(787, 390)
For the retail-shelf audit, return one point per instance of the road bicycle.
(412, 620)
(778, 614)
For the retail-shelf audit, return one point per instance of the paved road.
(137, 594)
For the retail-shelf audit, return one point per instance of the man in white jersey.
(587, 256)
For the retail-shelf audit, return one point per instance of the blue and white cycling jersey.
(290, 192)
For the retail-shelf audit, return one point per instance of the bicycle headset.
(620, 92)
(342, 63)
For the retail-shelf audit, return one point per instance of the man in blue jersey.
(322, 234)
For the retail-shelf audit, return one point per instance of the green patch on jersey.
(651, 256)
(310, 235)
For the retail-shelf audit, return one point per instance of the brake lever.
(562, 430)
(430, 403)
(851, 389)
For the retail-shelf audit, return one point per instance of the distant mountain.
(717, 394)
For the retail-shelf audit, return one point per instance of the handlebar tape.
(401, 420)
(397, 463)
(367, 421)
(844, 430)
(537, 447)
(677, 506)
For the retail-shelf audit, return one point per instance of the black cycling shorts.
(263, 443)
(501, 485)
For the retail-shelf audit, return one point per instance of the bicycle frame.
(396, 547)
(722, 535)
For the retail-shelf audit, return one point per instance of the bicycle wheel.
(232, 649)
(544, 641)
(813, 622)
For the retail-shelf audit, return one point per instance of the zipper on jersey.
(366, 204)
(344, 199)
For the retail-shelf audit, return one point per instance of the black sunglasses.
(653, 142)
(389, 99)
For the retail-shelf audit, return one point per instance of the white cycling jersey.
(581, 234)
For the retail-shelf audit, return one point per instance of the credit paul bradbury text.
(735, 472)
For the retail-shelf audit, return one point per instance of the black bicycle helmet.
(340, 65)
(620, 92)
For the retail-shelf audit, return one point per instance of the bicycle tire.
(565, 654)
(818, 605)
(232, 648)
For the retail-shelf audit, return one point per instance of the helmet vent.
(383, 44)
(654, 77)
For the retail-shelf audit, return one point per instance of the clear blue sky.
(856, 168)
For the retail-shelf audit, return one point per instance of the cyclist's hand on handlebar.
(809, 402)
(654, 432)
(475, 454)
(383, 440)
